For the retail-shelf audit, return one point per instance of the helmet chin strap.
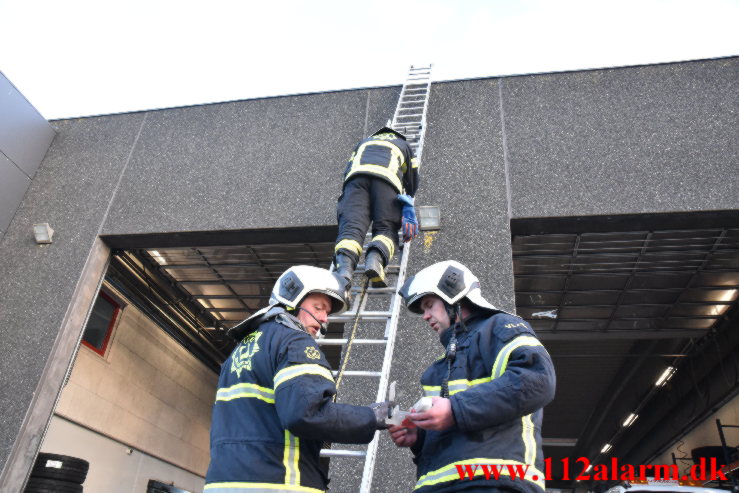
(454, 312)
(324, 327)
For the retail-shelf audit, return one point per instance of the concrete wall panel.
(24, 134)
(658, 138)
(13, 186)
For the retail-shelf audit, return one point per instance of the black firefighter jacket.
(387, 156)
(500, 380)
(273, 410)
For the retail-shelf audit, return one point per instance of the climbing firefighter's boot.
(374, 269)
(344, 273)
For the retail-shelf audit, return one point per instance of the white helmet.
(299, 281)
(449, 280)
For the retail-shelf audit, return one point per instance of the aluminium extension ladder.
(410, 120)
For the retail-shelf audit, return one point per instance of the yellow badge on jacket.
(312, 353)
(243, 354)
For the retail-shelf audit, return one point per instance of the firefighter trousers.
(368, 199)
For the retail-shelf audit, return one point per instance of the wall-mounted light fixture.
(43, 233)
(429, 217)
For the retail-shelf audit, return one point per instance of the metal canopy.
(615, 309)
(226, 284)
(641, 281)
(232, 282)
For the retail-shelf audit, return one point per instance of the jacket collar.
(469, 322)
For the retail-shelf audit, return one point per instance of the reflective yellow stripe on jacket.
(235, 487)
(499, 367)
(290, 459)
(293, 371)
(242, 390)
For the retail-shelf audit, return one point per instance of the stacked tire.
(54, 473)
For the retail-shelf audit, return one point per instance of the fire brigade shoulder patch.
(241, 359)
(312, 353)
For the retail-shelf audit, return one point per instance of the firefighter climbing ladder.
(410, 120)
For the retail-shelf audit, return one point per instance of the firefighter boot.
(344, 273)
(374, 269)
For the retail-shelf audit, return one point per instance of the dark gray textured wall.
(657, 138)
(265, 163)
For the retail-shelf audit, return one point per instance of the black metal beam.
(677, 221)
(309, 234)
(572, 335)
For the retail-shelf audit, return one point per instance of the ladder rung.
(341, 342)
(388, 268)
(359, 373)
(388, 290)
(410, 116)
(329, 452)
(368, 315)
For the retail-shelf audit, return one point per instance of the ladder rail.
(391, 329)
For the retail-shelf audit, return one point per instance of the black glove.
(382, 412)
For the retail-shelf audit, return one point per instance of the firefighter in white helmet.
(274, 406)
(488, 390)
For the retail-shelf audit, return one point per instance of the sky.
(88, 57)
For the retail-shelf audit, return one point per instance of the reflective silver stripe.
(257, 487)
(296, 370)
(242, 390)
(529, 439)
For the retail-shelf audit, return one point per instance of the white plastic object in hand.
(397, 417)
(423, 405)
